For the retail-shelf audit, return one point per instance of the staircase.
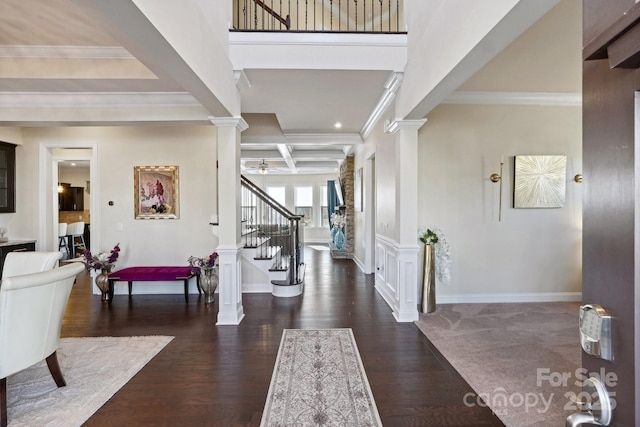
(273, 244)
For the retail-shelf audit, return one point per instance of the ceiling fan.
(263, 167)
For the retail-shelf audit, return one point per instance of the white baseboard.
(510, 297)
(256, 288)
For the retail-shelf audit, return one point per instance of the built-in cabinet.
(7, 177)
(70, 198)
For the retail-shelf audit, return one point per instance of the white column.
(229, 247)
(407, 248)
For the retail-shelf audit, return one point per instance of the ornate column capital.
(399, 124)
(237, 122)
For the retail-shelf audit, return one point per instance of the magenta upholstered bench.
(152, 274)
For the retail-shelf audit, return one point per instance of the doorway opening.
(66, 194)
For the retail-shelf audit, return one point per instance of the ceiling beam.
(311, 155)
(286, 155)
(323, 138)
(260, 154)
(132, 27)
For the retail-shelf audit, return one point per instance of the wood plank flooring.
(219, 375)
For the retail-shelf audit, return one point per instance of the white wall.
(531, 254)
(474, 32)
(11, 134)
(204, 46)
(143, 242)
(366, 159)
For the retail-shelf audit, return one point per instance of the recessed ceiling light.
(338, 125)
(73, 164)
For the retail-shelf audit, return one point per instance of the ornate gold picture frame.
(156, 193)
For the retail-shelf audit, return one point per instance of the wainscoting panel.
(396, 278)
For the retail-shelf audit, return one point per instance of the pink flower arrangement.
(101, 260)
(204, 262)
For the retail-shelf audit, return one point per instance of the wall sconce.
(60, 188)
(494, 177)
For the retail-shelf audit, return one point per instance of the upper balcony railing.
(347, 16)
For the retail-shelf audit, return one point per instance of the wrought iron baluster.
(331, 15)
(247, 16)
(306, 16)
(255, 17)
(356, 8)
(380, 15)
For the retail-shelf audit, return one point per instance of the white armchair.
(31, 311)
(19, 263)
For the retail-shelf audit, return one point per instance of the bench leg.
(186, 290)
(130, 288)
(110, 296)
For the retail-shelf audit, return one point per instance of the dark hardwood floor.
(219, 375)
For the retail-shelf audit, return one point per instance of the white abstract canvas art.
(540, 181)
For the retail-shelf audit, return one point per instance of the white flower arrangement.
(338, 220)
(442, 249)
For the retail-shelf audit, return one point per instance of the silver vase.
(428, 304)
(102, 282)
(208, 283)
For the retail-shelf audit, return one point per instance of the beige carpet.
(94, 369)
(511, 355)
(319, 380)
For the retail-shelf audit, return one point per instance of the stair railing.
(273, 231)
(352, 16)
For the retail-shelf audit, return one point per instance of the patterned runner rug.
(319, 380)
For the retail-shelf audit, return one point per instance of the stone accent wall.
(346, 177)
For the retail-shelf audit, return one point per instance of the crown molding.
(241, 79)
(515, 98)
(97, 99)
(391, 87)
(65, 52)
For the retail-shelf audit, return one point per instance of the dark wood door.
(611, 168)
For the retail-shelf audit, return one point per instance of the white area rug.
(94, 369)
(319, 380)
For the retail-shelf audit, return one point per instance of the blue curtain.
(332, 199)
